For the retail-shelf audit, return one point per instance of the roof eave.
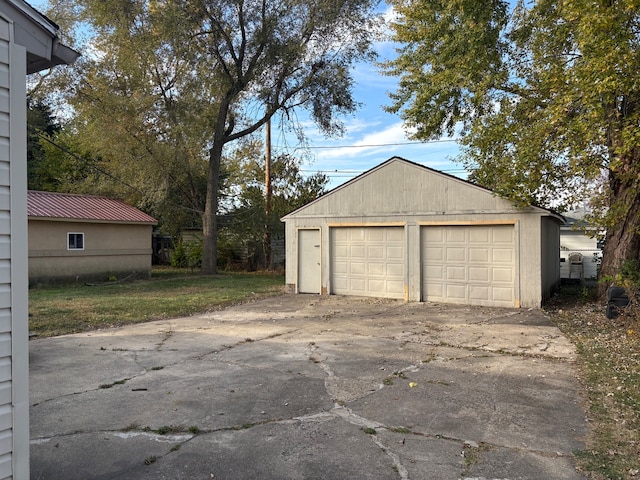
(39, 35)
(90, 220)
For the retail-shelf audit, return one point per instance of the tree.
(40, 122)
(278, 55)
(545, 96)
(245, 219)
(193, 76)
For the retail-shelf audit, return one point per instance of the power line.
(373, 145)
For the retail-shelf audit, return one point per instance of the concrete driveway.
(308, 387)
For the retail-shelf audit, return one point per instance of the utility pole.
(268, 261)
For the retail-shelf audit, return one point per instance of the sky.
(372, 135)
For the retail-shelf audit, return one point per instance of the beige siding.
(405, 188)
(400, 193)
(109, 249)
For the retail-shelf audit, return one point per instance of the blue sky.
(372, 135)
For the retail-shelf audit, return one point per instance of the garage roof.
(398, 186)
(85, 208)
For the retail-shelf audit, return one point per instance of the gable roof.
(84, 208)
(420, 189)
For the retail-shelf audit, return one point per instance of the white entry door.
(309, 273)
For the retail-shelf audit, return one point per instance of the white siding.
(576, 241)
(6, 415)
(14, 344)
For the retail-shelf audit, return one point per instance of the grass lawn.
(169, 293)
(609, 368)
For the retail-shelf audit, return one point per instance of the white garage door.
(472, 265)
(368, 261)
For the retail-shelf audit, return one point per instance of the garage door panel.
(395, 234)
(434, 272)
(503, 235)
(395, 270)
(358, 284)
(468, 264)
(503, 294)
(340, 236)
(341, 251)
(457, 292)
(479, 293)
(456, 273)
(434, 235)
(358, 268)
(479, 274)
(435, 290)
(503, 275)
(341, 267)
(503, 255)
(374, 259)
(341, 283)
(454, 235)
(434, 253)
(374, 234)
(375, 269)
(456, 254)
(480, 255)
(396, 286)
(480, 235)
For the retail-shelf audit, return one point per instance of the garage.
(473, 265)
(402, 230)
(367, 261)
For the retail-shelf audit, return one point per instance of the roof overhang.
(38, 35)
(92, 221)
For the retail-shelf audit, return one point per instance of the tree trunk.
(622, 241)
(210, 219)
(268, 263)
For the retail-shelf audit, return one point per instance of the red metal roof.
(83, 207)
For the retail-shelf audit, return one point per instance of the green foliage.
(245, 222)
(169, 84)
(544, 95)
(187, 254)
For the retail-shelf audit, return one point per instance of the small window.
(75, 241)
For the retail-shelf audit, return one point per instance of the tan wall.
(550, 257)
(109, 249)
(532, 283)
(404, 194)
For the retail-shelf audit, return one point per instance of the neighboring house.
(580, 254)
(401, 230)
(28, 43)
(85, 237)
